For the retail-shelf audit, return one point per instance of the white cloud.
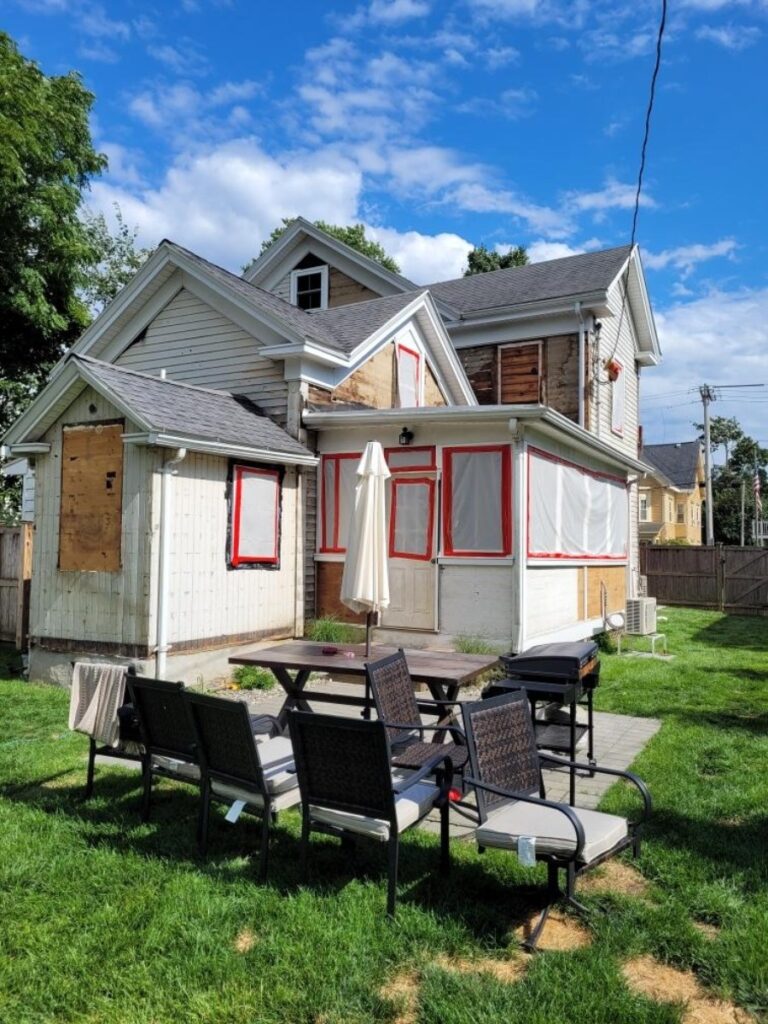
(731, 37)
(98, 50)
(181, 106)
(512, 104)
(424, 258)
(123, 163)
(687, 257)
(540, 251)
(184, 58)
(480, 198)
(501, 56)
(694, 336)
(391, 12)
(94, 21)
(614, 195)
(223, 202)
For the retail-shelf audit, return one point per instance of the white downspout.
(582, 375)
(163, 574)
(519, 567)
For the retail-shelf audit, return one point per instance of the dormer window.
(309, 288)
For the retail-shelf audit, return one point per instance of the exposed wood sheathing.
(328, 590)
(342, 290)
(615, 579)
(374, 385)
(520, 374)
(91, 498)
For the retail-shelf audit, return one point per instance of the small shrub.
(606, 642)
(252, 677)
(328, 630)
(473, 645)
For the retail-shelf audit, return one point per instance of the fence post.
(720, 575)
(24, 577)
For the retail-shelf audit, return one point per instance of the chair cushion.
(554, 833)
(410, 806)
(282, 783)
(180, 769)
(280, 802)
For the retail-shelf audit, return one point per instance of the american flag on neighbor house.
(756, 489)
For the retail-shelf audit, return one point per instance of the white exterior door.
(412, 549)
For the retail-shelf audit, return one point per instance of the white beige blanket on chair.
(97, 693)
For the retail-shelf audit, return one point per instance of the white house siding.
(196, 344)
(208, 600)
(551, 600)
(91, 607)
(478, 600)
(624, 352)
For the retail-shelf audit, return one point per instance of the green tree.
(744, 459)
(723, 432)
(481, 260)
(46, 161)
(352, 235)
(117, 258)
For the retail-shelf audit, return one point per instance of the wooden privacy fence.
(15, 574)
(732, 579)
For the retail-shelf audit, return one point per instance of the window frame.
(335, 548)
(619, 401)
(506, 500)
(422, 481)
(411, 350)
(417, 467)
(253, 561)
(644, 498)
(321, 269)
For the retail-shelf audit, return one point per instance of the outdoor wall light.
(406, 436)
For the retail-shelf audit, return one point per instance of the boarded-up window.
(90, 523)
(519, 373)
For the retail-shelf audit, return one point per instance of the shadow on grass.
(748, 631)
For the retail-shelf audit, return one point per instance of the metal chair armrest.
(425, 770)
(630, 776)
(569, 813)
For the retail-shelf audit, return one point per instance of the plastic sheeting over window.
(255, 516)
(477, 500)
(339, 477)
(408, 377)
(574, 512)
(618, 401)
(411, 519)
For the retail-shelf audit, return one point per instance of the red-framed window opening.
(618, 401)
(337, 492)
(477, 500)
(575, 513)
(408, 377)
(412, 518)
(407, 459)
(255, 528)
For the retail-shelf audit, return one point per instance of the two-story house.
(195, 453)
(671, 493)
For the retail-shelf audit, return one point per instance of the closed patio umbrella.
(365, 582)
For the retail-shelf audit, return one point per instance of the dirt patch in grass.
(709, 931)
(403, 991)
(667, 984)
(560, 933)
(245, 940)
(507, 971)
(616, 876)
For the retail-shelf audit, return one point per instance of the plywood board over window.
(90, 524)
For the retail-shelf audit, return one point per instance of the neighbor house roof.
(181, 410)
(677, 462)
(535, 282)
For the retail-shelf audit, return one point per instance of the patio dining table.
(443, 672)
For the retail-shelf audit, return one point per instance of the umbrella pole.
(368, 625)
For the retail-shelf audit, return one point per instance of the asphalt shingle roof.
(168, 406)
(352, 324)
(536, 282)
(676, 461)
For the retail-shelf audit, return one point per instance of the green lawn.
(103, 919)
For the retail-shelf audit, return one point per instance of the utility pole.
(706, 397)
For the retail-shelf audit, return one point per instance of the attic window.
(309, 288)
(408, 377)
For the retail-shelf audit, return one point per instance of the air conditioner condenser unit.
(641, 615)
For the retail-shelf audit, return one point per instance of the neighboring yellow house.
(671, 493)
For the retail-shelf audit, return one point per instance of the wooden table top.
(350, 659)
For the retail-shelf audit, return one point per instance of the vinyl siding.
(105, 607)
(197, 345)
(622, 346)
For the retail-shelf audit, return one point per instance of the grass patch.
(467, 644)
(108, 919)
(252, 677)
(329, 630)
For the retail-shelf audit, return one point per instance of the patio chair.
(167, 734)
(237, 768)
(348, 788)
(394, 696)
(506, 773)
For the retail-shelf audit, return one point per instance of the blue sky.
(444, 123)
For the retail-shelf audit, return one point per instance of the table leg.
(447, 718)
(293, 688)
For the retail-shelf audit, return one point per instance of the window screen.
(477, 501)
(408, 377)
(574, 512)
(411, 519)
(338, 480)
(255, 516)
(402, 460)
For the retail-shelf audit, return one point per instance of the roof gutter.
(225, 449)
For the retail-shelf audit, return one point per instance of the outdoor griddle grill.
(562, 674)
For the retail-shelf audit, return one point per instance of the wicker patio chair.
(166, 732)
(348, 788)
(236, 767)
(395, 699)
(506, 773)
